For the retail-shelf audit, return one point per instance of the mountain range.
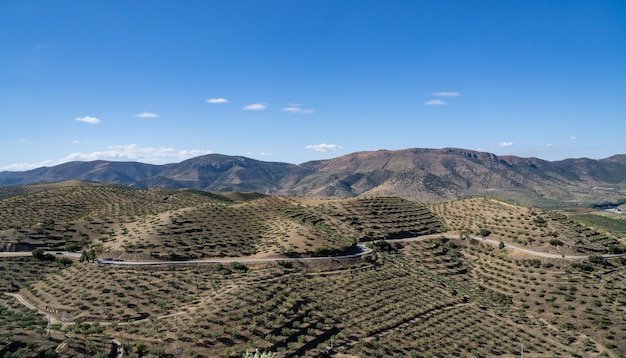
(426, 175)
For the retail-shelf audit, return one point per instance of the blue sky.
(293, 81)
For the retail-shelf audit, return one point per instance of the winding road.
(363, 250)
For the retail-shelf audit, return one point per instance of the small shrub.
(238, 266)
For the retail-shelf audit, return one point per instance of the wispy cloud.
(186, 154)
(298, 110)
(131, 152)
(216, 100)
(573, 138)
(434, 102)
(146, 115)
(88, 119)
(506, 144)
(324, 147)
(255, 107)
(265, 154)
(446, 94)
(18, 167)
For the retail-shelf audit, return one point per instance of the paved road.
(361, 246)
(28, 253)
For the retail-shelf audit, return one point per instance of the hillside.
(425, 175)
(189, 224)
(410, 297)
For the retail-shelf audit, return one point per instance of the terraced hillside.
(121, 223)
(433, 296)
(558, 232)
(75, 216)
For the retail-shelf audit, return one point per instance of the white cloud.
(131, 152)
(18, 167)
(216, 100)
(265, 154)
(88, 119)
(573, 138)
(298, 110)
(506, 144)
(434, 102)
(446, 94)
(324, 147)
(549, 145)
(255, 107)
(146, 115)
(186, 154)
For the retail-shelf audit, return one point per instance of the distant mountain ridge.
(427, 175)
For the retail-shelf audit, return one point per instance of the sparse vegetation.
(410, 298)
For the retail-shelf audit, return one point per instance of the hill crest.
(427, 175)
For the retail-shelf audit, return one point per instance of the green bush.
(238, 266)
(64, 261)
(555, 242)
(598, 260)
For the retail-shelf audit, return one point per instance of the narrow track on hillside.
(25, 302)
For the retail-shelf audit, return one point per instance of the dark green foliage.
(40, 255)
(598, 260)
(219, 268)
(238, 266)
(555, 242)
(339, 251)
(536, 263)
(140, 347)
(71, 246)
(89, 256)
(540, 221)
(64, 261)
(501, 299)
(285, 264)
(384, 246)
(616, 249)
(583, 266)
(607, 223)
(484, 232)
